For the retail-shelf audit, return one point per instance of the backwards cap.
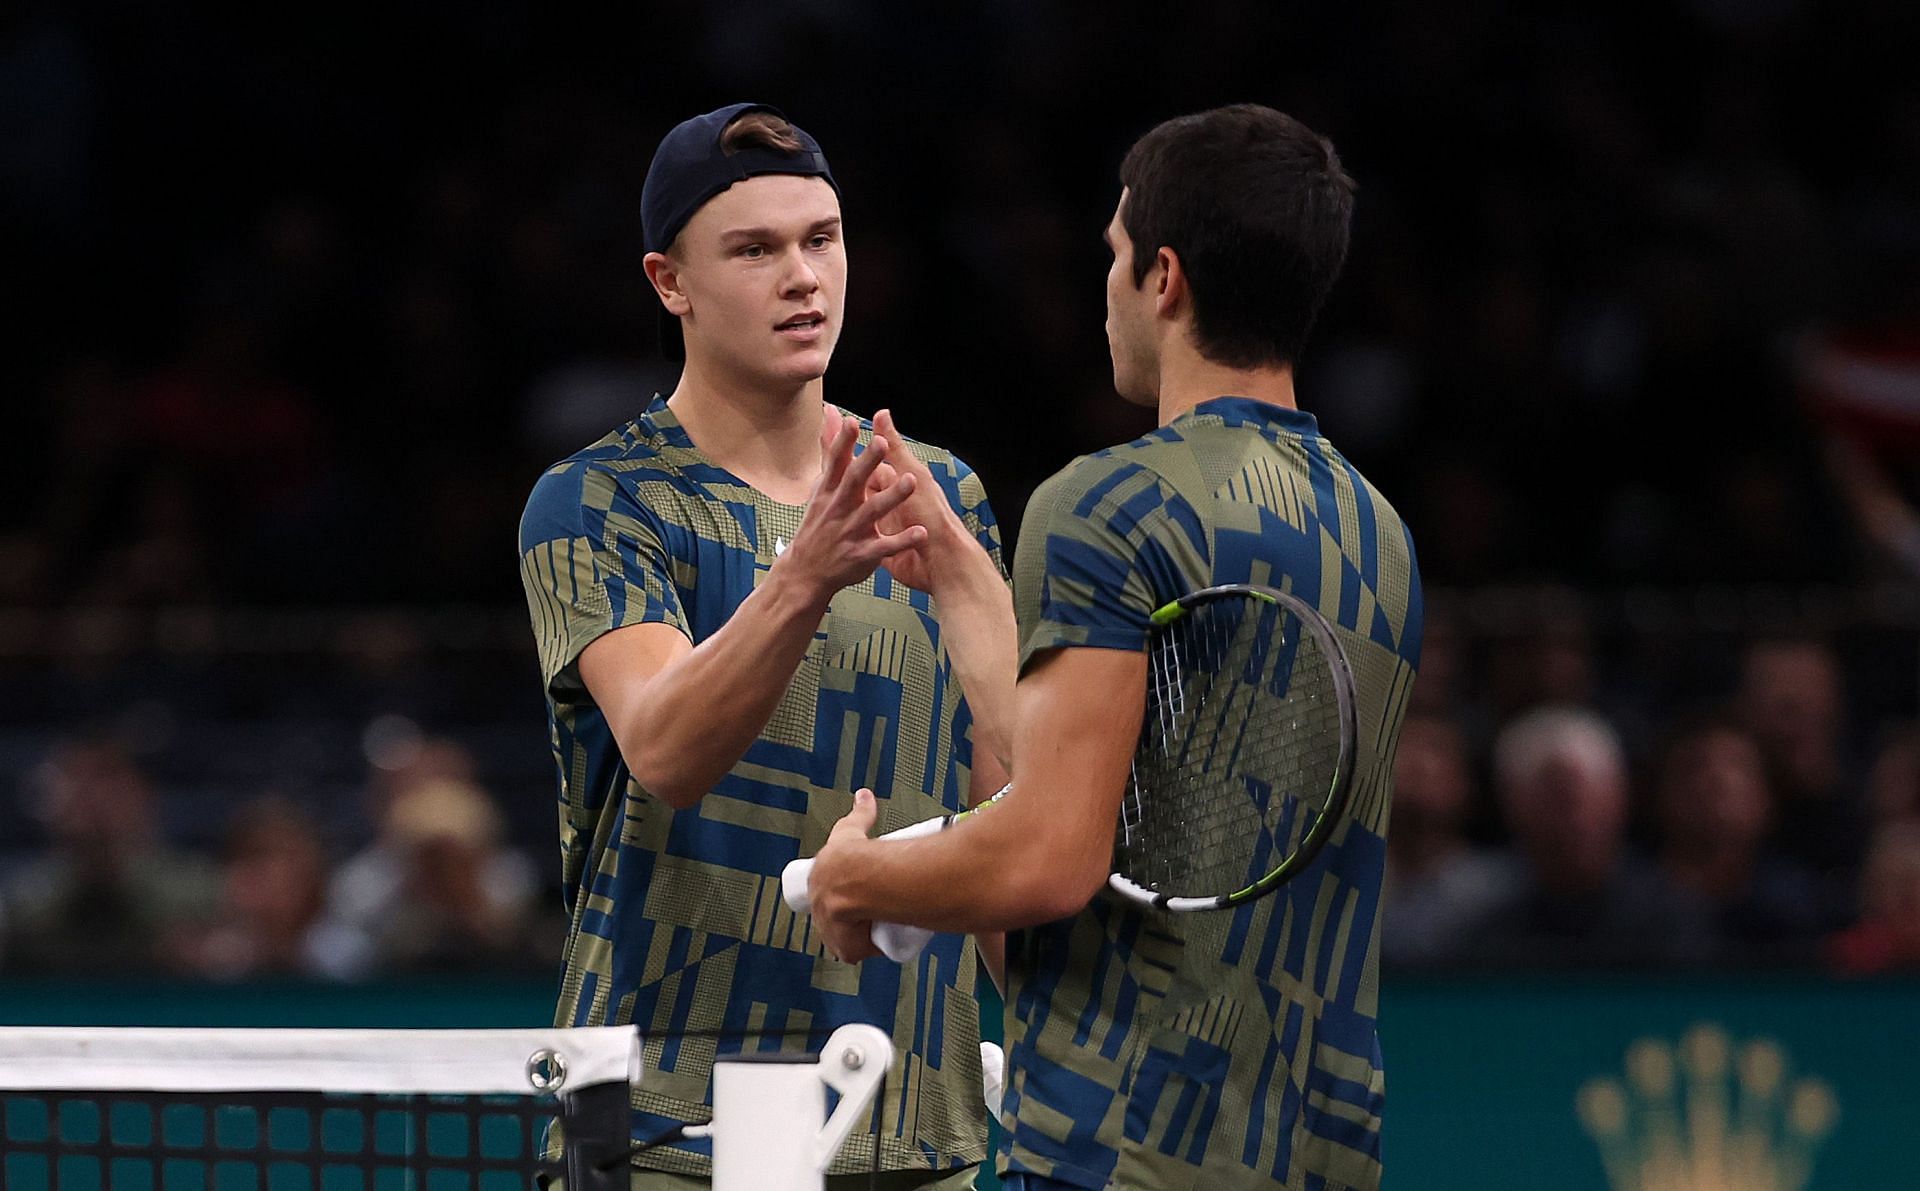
(690, 167)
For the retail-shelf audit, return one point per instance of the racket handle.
(793, 885)
(794, 878)
(901, 944)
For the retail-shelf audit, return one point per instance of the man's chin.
(800, 369)
(1135, 393)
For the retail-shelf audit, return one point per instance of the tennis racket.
(1246, 754)
(1245, 761)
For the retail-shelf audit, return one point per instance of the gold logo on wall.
(1705, 1117)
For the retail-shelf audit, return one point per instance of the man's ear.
(664, 276)
(1169, 279)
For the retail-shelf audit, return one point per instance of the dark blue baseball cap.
(690, 167)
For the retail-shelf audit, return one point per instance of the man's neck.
(768, 437)
(1188, 378)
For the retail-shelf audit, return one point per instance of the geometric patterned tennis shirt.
(1227, 1049)
(677, 923)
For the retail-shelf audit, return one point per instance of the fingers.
(887, 545)
(872, 514)
(862, 947)
(883, 424)
(837, 449)
(883, 475)
(860, 820)
(865, 464)
(903, 458)
(853, 943)
(886, 500)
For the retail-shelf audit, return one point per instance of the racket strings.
(1236, 763)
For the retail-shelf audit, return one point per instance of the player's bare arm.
(976, 605)
(1039, 854)
(683, 715)
(976, 625)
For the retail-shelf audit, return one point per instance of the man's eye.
(754, 252)
(821, 240)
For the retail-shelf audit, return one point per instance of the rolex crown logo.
(1707, 1117)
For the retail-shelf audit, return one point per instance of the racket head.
(1245, 762)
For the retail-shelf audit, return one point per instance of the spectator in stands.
(1712, 810)
(436, 891)
(1544, 655)
(1893, 783)
(1575, 893)
(1445, 681)
(1438, 884)
(1887, 937)
(108, 894)
(1792, 700)
(272, 890)
(401, 758)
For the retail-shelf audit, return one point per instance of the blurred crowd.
(1760, 822)
(1634, 301)
(1578, 784)
(434, 887)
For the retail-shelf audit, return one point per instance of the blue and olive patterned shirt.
(677, 920)
(1235, 1049)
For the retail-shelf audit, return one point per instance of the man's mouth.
(802, 322)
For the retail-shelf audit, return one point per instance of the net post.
(595, 1123)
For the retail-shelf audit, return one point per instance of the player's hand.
(840, 541)
(926, 507)
(911, 567)
(847, 938)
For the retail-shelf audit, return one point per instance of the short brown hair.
(1257, 208)
(758, 130)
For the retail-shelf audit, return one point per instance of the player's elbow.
(1057, 891)
(1068, 898)
(680, 798)
(657, 775)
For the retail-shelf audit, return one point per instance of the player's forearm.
(978, 632)
(697, 717)
(997, 872)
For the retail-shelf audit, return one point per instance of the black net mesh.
(274, 1141)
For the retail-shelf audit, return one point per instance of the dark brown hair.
(1257, 208)
(758, 130)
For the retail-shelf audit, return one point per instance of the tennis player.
(1233, 1049)
(727, 656)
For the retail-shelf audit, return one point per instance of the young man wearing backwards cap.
(718, 589)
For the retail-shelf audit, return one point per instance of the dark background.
(303, 300)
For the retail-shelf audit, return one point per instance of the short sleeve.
(968, 496)
(1104, 543)
(592, 560)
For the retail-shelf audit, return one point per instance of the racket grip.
(793, 885)
(794, 877)
(901, 944)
